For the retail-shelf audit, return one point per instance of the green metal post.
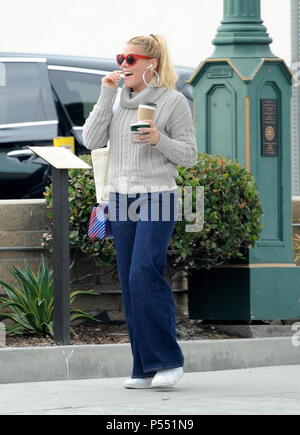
(242, 33)
(242, 96)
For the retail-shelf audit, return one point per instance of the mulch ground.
(118, 333)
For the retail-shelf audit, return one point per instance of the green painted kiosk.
(242, 97)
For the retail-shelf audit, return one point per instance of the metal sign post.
(61, 256)
(61, 160)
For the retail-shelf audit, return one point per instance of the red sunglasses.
(131, 59)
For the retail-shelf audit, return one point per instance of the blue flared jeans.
(142, 225)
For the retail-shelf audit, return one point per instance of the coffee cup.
(136, 133)
(146, 111)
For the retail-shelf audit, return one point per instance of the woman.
(142, 179)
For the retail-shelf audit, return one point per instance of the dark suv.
(42, 97)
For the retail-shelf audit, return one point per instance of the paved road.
(264, 390)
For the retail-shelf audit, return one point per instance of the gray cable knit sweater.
(142, 168)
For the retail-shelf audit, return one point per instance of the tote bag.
(99, 225)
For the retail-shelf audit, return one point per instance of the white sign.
(60, 158)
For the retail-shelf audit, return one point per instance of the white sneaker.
(138, 383)
(167, 378)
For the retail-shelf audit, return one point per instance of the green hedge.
(232, 216)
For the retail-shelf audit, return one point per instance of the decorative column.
(242, 33)
(242, 97)
(237, 10)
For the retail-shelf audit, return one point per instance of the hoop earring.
(149, 85)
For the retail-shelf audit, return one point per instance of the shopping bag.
(99, 225)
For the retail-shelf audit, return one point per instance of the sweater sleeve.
(179, 144)
(95, 132)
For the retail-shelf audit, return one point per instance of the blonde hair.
(155, 46)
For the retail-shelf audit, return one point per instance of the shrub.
(32, 304)
(296, 247)
(232, 216)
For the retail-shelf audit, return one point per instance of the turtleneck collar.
(149, 94)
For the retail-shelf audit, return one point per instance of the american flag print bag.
(99, 225)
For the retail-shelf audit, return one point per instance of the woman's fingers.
(112, 80)
(151, 134)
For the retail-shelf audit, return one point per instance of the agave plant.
(32, 303)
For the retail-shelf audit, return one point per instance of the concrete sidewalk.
(256, 391)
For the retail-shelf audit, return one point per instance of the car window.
(20, 93)
(77, 91)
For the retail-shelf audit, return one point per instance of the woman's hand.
(112, 79)
(151, 135)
